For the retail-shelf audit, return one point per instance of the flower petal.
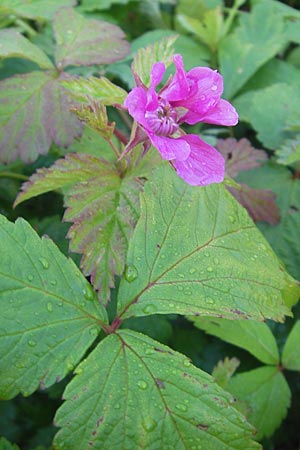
(203, 166)
(157, 74)
(136, 102)
(178, 88)
(222, 114)
(171, 148)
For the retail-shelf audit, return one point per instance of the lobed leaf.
(160, 51)
(266, 396)
(35, 111)
(224, 370)
(49, 313)
(86, 41)
(256, 337)
(150, 397)
(291, 350)
(259, 37)
(34, 9)
(196, 252)
(13, 44)
(98, 89)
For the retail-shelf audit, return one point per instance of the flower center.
(163, 121)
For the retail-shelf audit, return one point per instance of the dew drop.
(117, 406)
(210, 301)
(30, 277)
(216, 260)
(192, 270)
(231, 219)
(149, 309)
(53, 282)
(181, 407)
(142, 384)
(149, 424)
(149, 351)
(209, 269)
(214, 87)
(49, 307)
(131, 273)
(181, 275)
(186, 363)
(44, 262)
(70, 366)
(88, 292)
(31, 343)
(93, 331)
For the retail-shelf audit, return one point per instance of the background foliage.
(64, 66)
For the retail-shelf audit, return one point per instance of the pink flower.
(190, 97)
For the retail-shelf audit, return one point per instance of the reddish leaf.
(240, 155)
(82, 41)
(260, 203)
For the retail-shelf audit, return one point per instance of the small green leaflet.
(13, 44)
(49, 313)
(82, 41)
(224, 370)
(6, 445)
(103, 208)
(133, 392)
(291, 351)
(195, 251)
(256, 337)
(98, 89)
(143, 60)
(263, 396)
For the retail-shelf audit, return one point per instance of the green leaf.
(98, 89)
(289, 152)
(256, 337)
(33, 9)
(13, 44)
(82, 41)
(6, 445)
(34, 112)
(291, 351)
(151, 397)
(144, 59)
(102, 207)
(224, 370)
(95, 5)
(259, 37)
(269, 111)
(196, 252)
(49, 313)
(266, 395)
(94, 115)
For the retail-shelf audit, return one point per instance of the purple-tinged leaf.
(35, 111)
(240, 155)
(82, 41)
(260, 203)
(14, 44)
(103, 208)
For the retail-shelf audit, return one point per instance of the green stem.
(17, 176)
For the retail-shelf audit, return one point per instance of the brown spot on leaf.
(160, 383)
(202, 426)
(99, 421)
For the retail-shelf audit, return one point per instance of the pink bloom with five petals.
(190, 97)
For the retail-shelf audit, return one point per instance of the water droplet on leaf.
(131, 273)
(30, 277)
(49, 307)
(142, 384)
(181, 407)
(31, 343)
(149, 309)
(149, 424)
(88, 292)
(44, 262)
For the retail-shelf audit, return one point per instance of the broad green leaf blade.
(291, 351)
(98, 89)
(269, 110)
(35, 111)
(256, 337)
(144, 59)
(195, 251)
(49, 314)
(34, 9)
(6, 445)
(150, 397)
(103, 208)
(265, 397)
(258, 38)
(13, 44)
(82, 41)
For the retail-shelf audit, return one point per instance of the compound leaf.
(35, 111)
(33, 9)
(49, 313)
(264, 397)
(256, 337)
(291, 351)
(13, 44)
(151, 397)
(196, 252)
(82, 41)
